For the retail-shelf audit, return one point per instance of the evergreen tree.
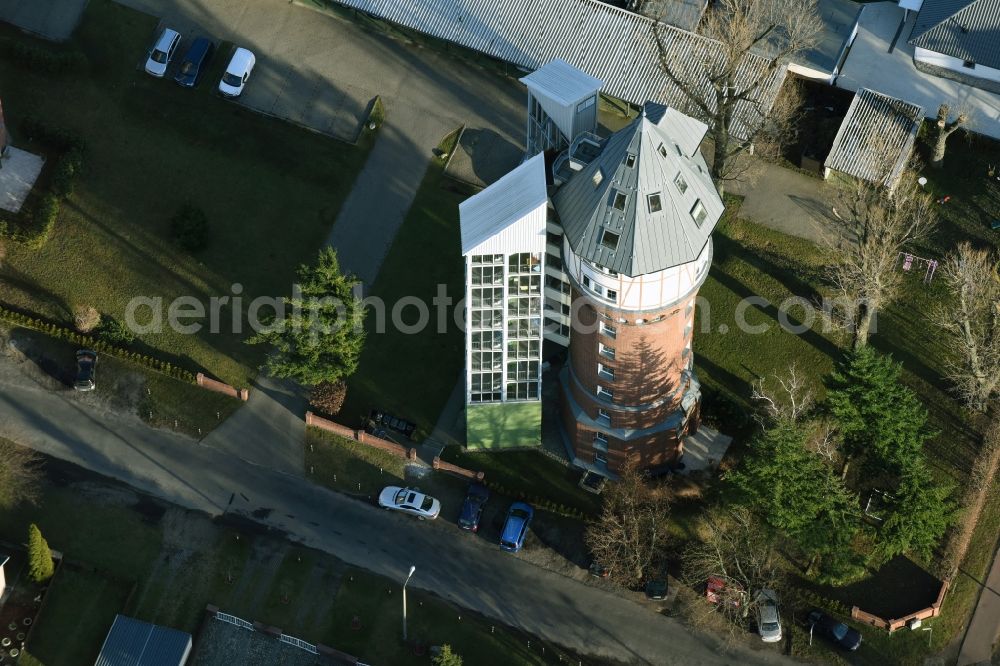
(920, 513)
(879, 417)
(446, 657)
(795, 491)
(40, 567)
(320, 336)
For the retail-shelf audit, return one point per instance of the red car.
(714, 592)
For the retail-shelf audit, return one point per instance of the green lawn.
(412, 375)
(345, 465)
(377, 602)
(271, 192)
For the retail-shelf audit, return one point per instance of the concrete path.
(51, 19)
(467, 571)
(788, 201)
(870, 65)
(980, 638)
(19, 170)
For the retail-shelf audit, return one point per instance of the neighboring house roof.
(611, 44)
(877, 129)
(664, 144)
(964, 29)
(838, 19)
(132, 642)
(515, 205)
(685, 14)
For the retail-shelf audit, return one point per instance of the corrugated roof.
(505, 202)
(132, 642)
(562, 82)
(877, 129)
(664, 145)
(964, 29)
(685, 14)
(611, 44)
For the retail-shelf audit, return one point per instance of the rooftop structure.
(968, 30)
(684, 14)
(824, 59)
(876, 137)
(562, 103)
(132, 642)
(613, 45)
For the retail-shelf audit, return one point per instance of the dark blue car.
(838, 632)
(515, 528)
(194, 61)
(472, 507)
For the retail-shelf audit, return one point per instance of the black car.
(193, 62)
(656, 589)
(472, 507)
(838, 632)
(86, 367)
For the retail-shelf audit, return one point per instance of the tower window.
(655, 205)
(598, 177)
(620, 200)
(609, 239)
(699, 213)
(629, 160)
(681, 183)
(662, 150)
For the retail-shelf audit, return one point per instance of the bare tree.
(729, 80)
(631, 532)
(945, 128)
(984, 472)
(876, 223)
(19, 474)
(737, 550)
(790, 401)
(971, 320)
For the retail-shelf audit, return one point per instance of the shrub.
(328, 397)
(86, 318)
(66, 170)
(116, 332)
(40, 566)
(446, 657)
(189, 228)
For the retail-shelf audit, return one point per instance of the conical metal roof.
(647, 202)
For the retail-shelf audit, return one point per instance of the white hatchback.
(162, 52)
(237, 72)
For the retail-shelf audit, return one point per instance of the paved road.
(51, 19)
(463, 569)
(977, 646)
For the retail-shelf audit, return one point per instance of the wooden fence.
(899, 623)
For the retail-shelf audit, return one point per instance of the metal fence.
(233, 620)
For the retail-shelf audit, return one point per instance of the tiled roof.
(964, 29)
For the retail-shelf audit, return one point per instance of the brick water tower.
(637, 221)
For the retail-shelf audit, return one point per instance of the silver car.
(768, 620)
(409, 500)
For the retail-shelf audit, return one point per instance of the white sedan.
(409, 500)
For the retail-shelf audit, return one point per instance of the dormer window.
(698, 213)
(655, 205)
(681, 183)
(609, 239)
(598, 177)
(662, 150)
(629, 160)
(620, 199)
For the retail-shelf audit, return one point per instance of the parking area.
(871, 65)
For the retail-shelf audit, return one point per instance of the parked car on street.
(656, 589)
(768, 618)
(237, 72)
(836, 631)
(472, 507)
(86, 370)
(194, 61)
(515, 528)
(409, 500)
(162, 52)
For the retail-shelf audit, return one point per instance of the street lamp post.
(412, 569)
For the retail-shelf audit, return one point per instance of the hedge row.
(41, 60)
(537, 502)
(90, 342)
(70, 150)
